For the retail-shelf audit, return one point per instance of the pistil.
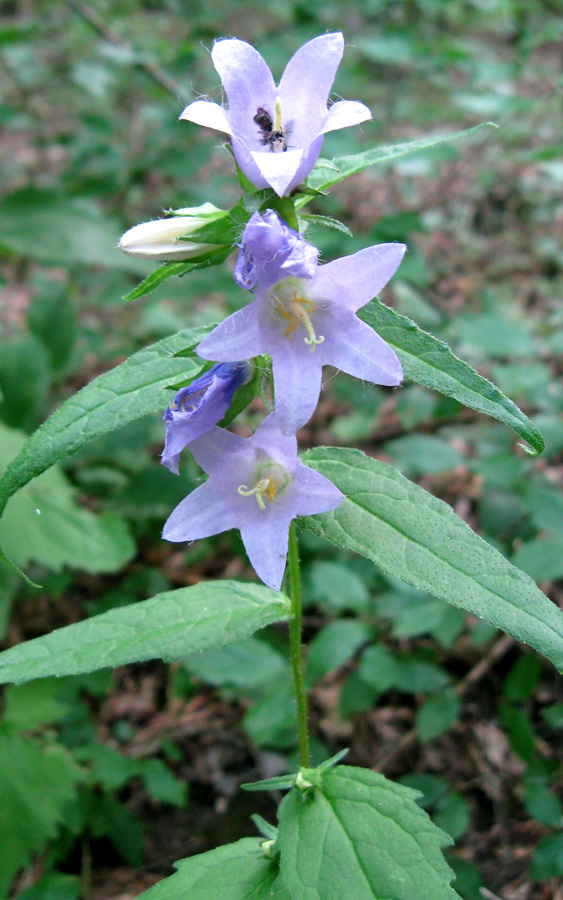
(296, 311)
(264, 486)
(278, 121)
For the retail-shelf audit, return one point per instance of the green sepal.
(277, 783)
(265, 829)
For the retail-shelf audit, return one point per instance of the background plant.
(514, 500)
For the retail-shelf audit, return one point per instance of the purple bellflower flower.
(277, 132)
(257, 485)
(272, 250)
(308, 321)
(199, 406)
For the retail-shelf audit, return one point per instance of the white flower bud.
(162, 239)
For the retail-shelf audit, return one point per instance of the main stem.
(295, 647)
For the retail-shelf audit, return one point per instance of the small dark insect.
(275, 140)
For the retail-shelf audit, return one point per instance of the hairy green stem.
(295, 647)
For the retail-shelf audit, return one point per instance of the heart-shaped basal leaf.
(169, 626)
(133, 389)
(414, 536)
(239, 871)
(358, 836)
(430, 362)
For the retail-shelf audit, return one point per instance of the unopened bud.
(165, 239)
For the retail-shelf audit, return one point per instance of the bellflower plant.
(257, 485)
(309, 321)
(345, 833)
(277, 132)
(199, 406)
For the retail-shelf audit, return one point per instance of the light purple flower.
(277, 132)
(199, 406)
(257, 485)
(271, 250)
(305, 323)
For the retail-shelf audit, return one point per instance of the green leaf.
(553, 715)
(519, 730)
(437, 714)
(247, 666)
(541, 803)
(272, 721)
(169, 626)
(542, 557)
(162, 784)
(521, 681)
(360, 837)
(44, 523)
(36, 784)
(239, 871)
(337, 586)
(156, 278)
(547, 861)
(39, 703)
(417, 676)
(54, 886)
(451, 814)
(334, 646)
(326, 222)
(169, 269)
(414, 536)
(329, 172)
(379, 668)
(131, 390)
(430, 362)
(56, 230)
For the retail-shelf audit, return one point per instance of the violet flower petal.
(237, 337)
(297, 385)
(266, 546)
(234, 465)
(345, 113)
(218, 450)
(270, 438)
(279, 170)
(201, 514)
(248, 84)
(271, 250)
(358, 350)
(314, 493)
(306, 84)
(198, 407)
(352, 281)
(208, 114)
